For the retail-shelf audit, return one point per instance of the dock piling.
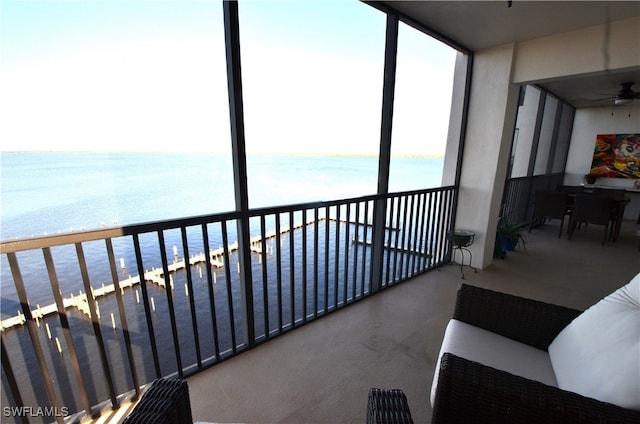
(215, 260)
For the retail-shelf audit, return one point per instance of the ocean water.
(54, 192)
(46, 193)
(50, 193)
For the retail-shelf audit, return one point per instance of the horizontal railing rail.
(89, 316)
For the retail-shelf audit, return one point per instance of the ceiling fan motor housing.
(626, 94)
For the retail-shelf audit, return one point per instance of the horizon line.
(221, 152)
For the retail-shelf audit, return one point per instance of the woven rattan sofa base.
(469, 392)
(165, 402)
(388, 407)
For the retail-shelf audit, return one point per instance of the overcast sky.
(150, 75)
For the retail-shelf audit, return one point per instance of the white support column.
(492, 110)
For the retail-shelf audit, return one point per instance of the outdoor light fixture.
(623, 101)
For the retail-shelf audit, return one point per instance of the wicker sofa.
(166, 401)
(464, 390)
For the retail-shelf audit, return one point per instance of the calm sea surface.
(48, 192)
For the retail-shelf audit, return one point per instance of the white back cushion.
(598, 354)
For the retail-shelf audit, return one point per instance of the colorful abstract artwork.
(616, 156)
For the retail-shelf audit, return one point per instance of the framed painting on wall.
(616, 156)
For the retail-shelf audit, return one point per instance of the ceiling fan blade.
(598, 99)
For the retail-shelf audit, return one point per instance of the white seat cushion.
(598, 354)
(493, 350)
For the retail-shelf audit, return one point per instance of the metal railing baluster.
(439, 223)
(405, 211)
(431, 232)
(409, 247)
(95, 320)
(66, 331)
(227, 275)
(147, 307)
(292, 274)
(11, 379)
(265, 277)
(316, 265)
(364, 246)
(326, 258)
(123, 317)
(442, 234)
(356, 249)
(415, 245)
(449, 213)
(347, 225)
(210, 283)
(336, 270)
(304, 265)
(396, 246)
(279, 272)
(168, 286)
(192, 306)
(421, 244)
(388, 240)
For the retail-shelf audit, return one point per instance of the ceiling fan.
(626, 95)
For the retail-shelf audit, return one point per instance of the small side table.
(460, 240)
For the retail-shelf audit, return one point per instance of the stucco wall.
(593, 121)
(594, 49)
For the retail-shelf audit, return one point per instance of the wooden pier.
(154, 276)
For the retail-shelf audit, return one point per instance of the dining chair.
(613, 192)
(593, 209)
(621, 201)
(550, 204)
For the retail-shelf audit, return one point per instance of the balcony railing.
(519, 192)
(90, 317)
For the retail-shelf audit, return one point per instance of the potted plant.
(590, 178)
(594, 174)
(511, 233)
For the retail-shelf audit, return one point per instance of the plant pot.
(498, 248)
(509, 245)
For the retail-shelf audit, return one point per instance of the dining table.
(620, 202)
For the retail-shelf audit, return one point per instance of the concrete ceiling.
(479, 25)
